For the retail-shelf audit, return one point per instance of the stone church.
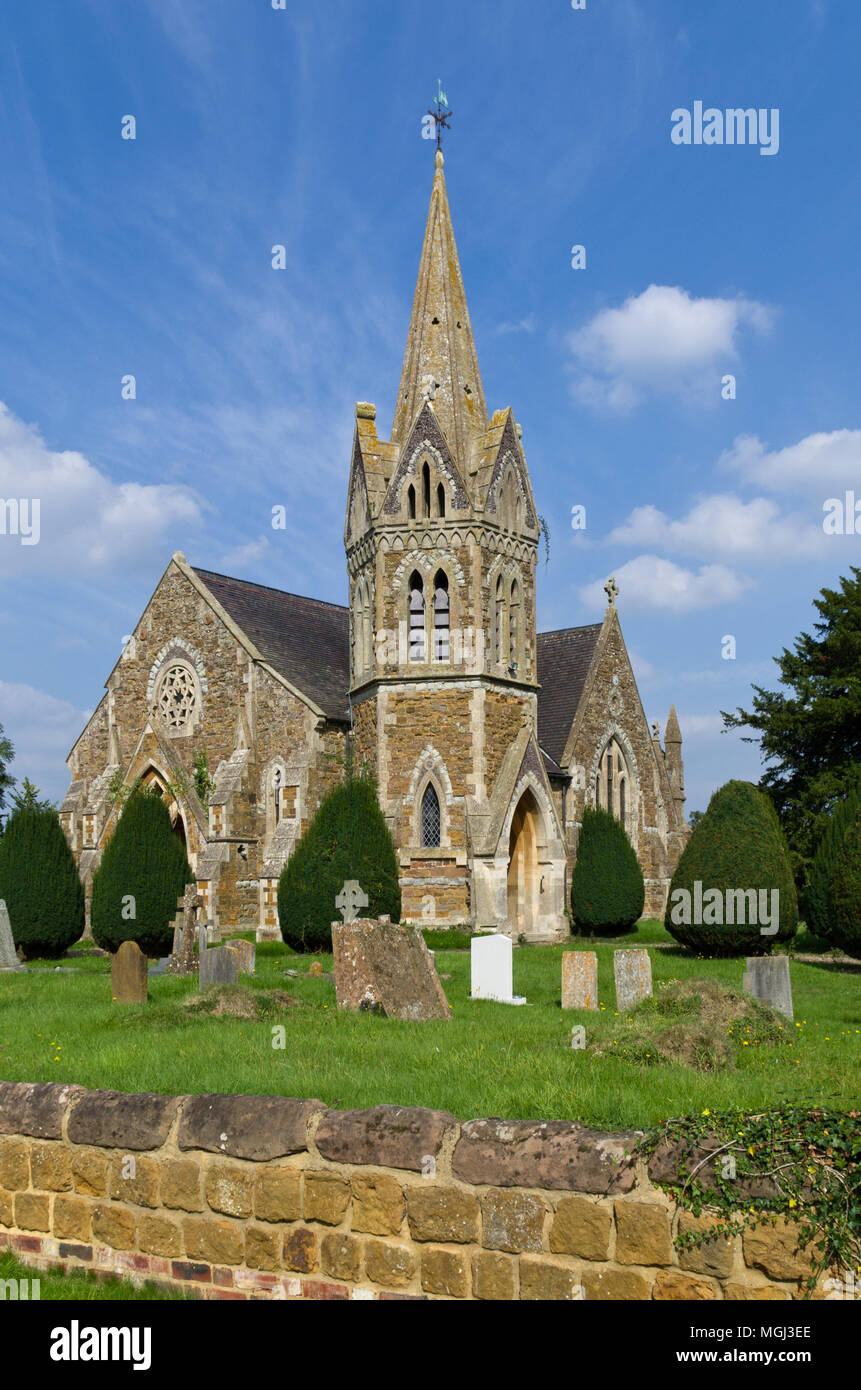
(486, 737)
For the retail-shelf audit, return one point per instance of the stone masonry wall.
(240, 1197)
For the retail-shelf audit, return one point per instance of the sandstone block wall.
(265, 1197)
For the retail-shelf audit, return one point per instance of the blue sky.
(302, 127)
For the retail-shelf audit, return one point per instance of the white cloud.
(87, 522)
(650, 582)
(249, 554)
(526, 325)
(661, 340)
(816, 466)
(42, 730)
(724, 527)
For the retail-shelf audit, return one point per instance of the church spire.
(440, 362)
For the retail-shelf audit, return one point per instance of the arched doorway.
(523, 874)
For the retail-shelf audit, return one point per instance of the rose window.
(177, 697)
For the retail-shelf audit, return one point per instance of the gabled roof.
(564, 658)
(306, 640)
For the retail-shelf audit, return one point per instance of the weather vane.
(441, 115)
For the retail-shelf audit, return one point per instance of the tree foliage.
(347, 839)
(810, 733)
(832, 899)
(7, 753)
(607, 889)
(40, 883)
(738, 846)
(143, 872)
(27, 798)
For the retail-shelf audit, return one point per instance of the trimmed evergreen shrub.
(833, 896)
(144, 870)
(736, 848)
(40, 883)
(607, 889)
(347, 839)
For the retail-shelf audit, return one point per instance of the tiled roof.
(564, 658)
(306, 640)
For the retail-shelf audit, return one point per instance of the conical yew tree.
(833, 896)
(733, 893)
(607, 890)
(40, 883)
(144, 870)
(347, 839)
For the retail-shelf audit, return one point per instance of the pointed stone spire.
(673, 733)
(673, 759)
(440, 362)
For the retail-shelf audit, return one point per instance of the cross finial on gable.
(611, 589)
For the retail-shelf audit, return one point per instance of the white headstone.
(491, 970)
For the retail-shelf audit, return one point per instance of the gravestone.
(8, 958)
(247, 952)
(160, 968)
(633, 972)
(315, 968)
(351, 897)
(767, 978)
(177, 939)
(491, 969)
(218, 966)
(386, 969)
(579, 980)
(129, 975)
(183, 961)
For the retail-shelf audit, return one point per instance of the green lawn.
(56, 1286)
(491, 1059)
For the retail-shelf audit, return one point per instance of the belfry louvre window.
(441, 618)
(431, 823)
(417, 618)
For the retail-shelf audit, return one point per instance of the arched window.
(357, 633)
(277, 778)
(514, 627)
(498, 621)
(417, 618)
(411, 502)
(441, 618)
(431, 819)
(425, 490)
(440, 500)
(613, 783)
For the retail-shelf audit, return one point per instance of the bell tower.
(441, 538)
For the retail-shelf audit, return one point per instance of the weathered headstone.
(177, 939)
(767, 978)
(129, 975)
(218, 966)
(492, 970)
(351, 897)
(247, 952)
(183, 961)
(384, 968)
(8, 958)
(160, 968)
(315, 968)
(633, 972)
(579, 980)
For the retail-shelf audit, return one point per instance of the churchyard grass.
(490, 1059)
(80, 1286)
